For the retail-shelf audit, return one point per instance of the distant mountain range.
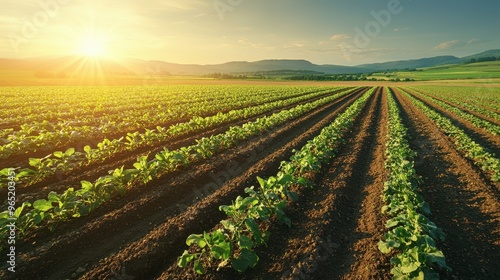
(68, 65)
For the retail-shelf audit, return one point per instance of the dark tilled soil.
(141, 230)
(60, 181)
(335, 226)
(464, 202)
(484, 138)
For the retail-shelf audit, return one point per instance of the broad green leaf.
(245, 260)
(35, 162)
(384, 247)
(392, 223)
(38, 217)
(5, 172)
(69, 152)
(87, 149)
(245, 242)
(197, 239)
(185, 259)
(58, 154)
(222, 250)
(262, 182)
(43, 205)
(20, 209)
(54, 197)
(86, 185)
(198, 267)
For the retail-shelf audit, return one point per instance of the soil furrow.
(155, 210)
(463, 201)
(457, 105)
(78, 145)
(60, 182)
(479, 135)
(305, 250)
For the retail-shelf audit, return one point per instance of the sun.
(92, 46)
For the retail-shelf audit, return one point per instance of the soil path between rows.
(336, 225)
(463, 202)
(60, 181)
(479, 135)
(154, 220)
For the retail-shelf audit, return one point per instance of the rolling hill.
(70, 65)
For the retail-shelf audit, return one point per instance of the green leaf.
(392, 223)
(198, 267)
(35, 162)
(386, 247)
(245, 242)
(245, 260)
(69, 152)
(196, 239)
(5, 172)
(86, 185)
(222, 250)
(43, 205)
(262, 182)
(54, 197)
(87, 149)
(185, 259)
(20, 209)
(58, 154)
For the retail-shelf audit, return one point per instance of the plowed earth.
(335, 226)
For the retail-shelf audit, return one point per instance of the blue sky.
(216, 31)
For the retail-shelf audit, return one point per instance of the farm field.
(351, 181)
(486, 71)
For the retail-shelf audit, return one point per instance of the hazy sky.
(346, 32)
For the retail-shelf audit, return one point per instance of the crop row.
(53, 103)
(410, 233)
(477, 122)
(465, 104)
(75, 203)
(472, 150)
(482, 96)
(69, 160)
(45, 135)
(235, 239)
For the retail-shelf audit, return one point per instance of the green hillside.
(482, 70)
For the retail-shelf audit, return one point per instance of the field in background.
(488, 72)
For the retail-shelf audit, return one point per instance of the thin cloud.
(446, 45)
(400, 29)
(474, 41)
(340, 37)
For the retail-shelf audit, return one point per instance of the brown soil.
(463, 201)
(60, 181)
(335, 226)
(22, 160)
(152, 212)
(459, 106)
(479, 135)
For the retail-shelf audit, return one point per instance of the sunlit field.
(233, 139)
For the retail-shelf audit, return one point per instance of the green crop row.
(472, 150)
(70, 160)
(482, 96)
(234, 241)
(477, 122)
(411, 234)
(467, 104)
(76, 203)
(45, 135)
